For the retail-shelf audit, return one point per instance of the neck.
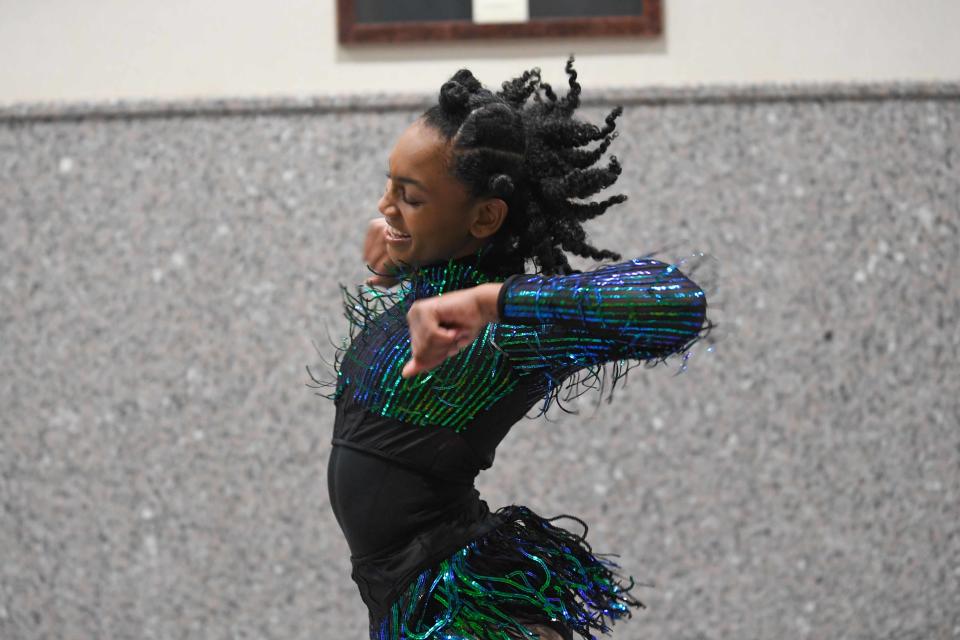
(450, 274)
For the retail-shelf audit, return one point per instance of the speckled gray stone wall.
(166, 269)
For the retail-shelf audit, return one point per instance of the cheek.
(443, 222)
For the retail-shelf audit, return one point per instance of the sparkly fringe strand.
(525, 570)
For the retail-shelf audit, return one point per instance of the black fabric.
(398, 521)
(405, 497)
(404, 501)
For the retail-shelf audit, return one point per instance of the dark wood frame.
(351, 32)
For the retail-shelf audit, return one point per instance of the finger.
(425, 360)
(412, 368)
(449, 334)
(433, 353)
(381, 281)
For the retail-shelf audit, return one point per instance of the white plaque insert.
(501, 11)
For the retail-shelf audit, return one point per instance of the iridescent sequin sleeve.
(639, 309)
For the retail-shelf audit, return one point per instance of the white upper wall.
(65, 50)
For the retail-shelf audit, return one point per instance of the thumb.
(410, 369)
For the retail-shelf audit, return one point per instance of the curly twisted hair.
(529, 155)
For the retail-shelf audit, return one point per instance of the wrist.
(489, 294)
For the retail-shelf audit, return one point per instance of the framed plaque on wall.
(372, 21)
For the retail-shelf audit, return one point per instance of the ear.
(488, 215)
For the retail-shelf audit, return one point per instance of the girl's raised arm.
(639, 309)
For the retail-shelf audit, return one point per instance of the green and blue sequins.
(555, 332)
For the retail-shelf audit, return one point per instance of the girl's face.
(430, 217)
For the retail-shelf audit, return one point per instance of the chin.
(399, 257)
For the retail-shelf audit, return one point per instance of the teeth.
(397, 234)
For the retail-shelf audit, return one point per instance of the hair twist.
(529, 153)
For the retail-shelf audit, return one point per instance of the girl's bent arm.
(642, 308)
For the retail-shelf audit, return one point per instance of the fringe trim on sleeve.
(572, 378)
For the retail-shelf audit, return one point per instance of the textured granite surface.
(166, 270)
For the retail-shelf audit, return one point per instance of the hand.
(375, 254)
(440, 326)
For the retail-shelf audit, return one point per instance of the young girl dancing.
(437, 370)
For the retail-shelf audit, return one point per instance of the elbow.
(695, 323)
(695, 310)
(678, 324)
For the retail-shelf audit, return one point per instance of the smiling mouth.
(393, 234)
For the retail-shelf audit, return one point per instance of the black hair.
(529, 155)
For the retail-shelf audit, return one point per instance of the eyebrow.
(407, 180)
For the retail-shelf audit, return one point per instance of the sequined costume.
(428, 556)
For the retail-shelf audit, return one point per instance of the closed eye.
(404, 193)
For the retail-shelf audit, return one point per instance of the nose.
(386, 205)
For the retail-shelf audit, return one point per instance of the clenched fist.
(442, 325)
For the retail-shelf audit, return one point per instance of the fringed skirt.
(524, 571)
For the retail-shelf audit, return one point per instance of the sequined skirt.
(515, 569)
